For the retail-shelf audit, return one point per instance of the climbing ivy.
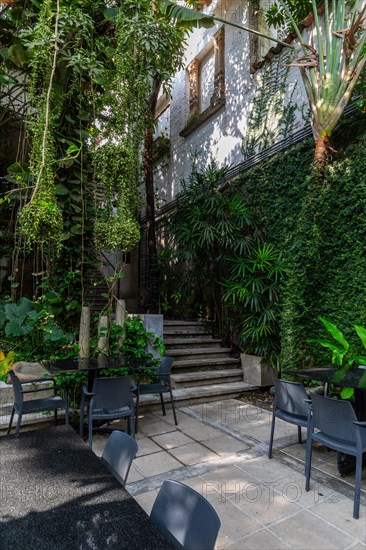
(321, 232)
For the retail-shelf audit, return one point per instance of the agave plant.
(330, 66)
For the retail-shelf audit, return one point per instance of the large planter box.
(254, 372)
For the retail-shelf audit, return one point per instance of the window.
(206, 79)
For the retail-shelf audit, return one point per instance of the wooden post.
(103, 332)
(84, 333)
(120, 318)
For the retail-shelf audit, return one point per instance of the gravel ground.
(260, 398)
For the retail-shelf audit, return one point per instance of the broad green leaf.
(333, 330)
(362, 382)
(18, 312)
(52, 333)
(14, 329)
(185, 17)
(339, 375)
(61, 189)
(361, 331)
(347, 393)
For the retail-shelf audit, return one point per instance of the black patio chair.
(291, 404)
(186, 518)
(22, 407)
(162, 386)
(118, 454)
(110, 399)
(338, 430)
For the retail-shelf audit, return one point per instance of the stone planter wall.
(254, 372)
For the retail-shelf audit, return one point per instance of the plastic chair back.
(185, 517)
(17, 389)
(165, 368)
(290, 397)
(118, 454)
(112, 394)
(335, 418)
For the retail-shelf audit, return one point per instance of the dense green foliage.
(318, 222)
(217, 260)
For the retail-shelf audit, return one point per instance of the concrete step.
(198, 353)
(201, 378)
(184, 331)
(199, 394)
(177, 323)
(208, 363)
(194, 342)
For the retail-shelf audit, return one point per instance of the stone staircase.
(203, 370)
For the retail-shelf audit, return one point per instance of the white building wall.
(222, 136)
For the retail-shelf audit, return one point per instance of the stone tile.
(264, 503)
(192, 453)
(235, 523)
(225, 445)
(157, 463)
(339, 512)
(147, 447)
(146, 500)
(157, 427)
(134, 474)
(201, 486)
(357, 546)
(304, 530)
(293, 486)
(265, 469)
(260, 540)
(201, 432)
(172, 439)
(228, 480)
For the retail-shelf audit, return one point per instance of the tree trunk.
(103, 334)
(84, 335)
(120, 318)
(152, 269)
(322, 151)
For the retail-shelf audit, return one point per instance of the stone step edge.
(201, 375)
(194, 340)
(205, 362)
(197, 351)
(174, 323)
(183, 394)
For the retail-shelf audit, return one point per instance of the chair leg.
(173, 407)
(131, 421)
(81, 421)
(358, 477)
(299, 438)
(11, 421)
(55, 415)
(308, 456)
(20, 414)
(162, 404)
(66, 397)
(90, 428)
(137, 411)
(271, 436)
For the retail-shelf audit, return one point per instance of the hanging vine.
(41, 218)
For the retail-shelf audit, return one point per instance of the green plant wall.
(318, 221)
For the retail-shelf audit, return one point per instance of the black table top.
(352, 378)
(56, 494)
(56, 366)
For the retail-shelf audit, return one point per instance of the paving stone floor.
(220, 449)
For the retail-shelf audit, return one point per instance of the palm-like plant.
(330, 66)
